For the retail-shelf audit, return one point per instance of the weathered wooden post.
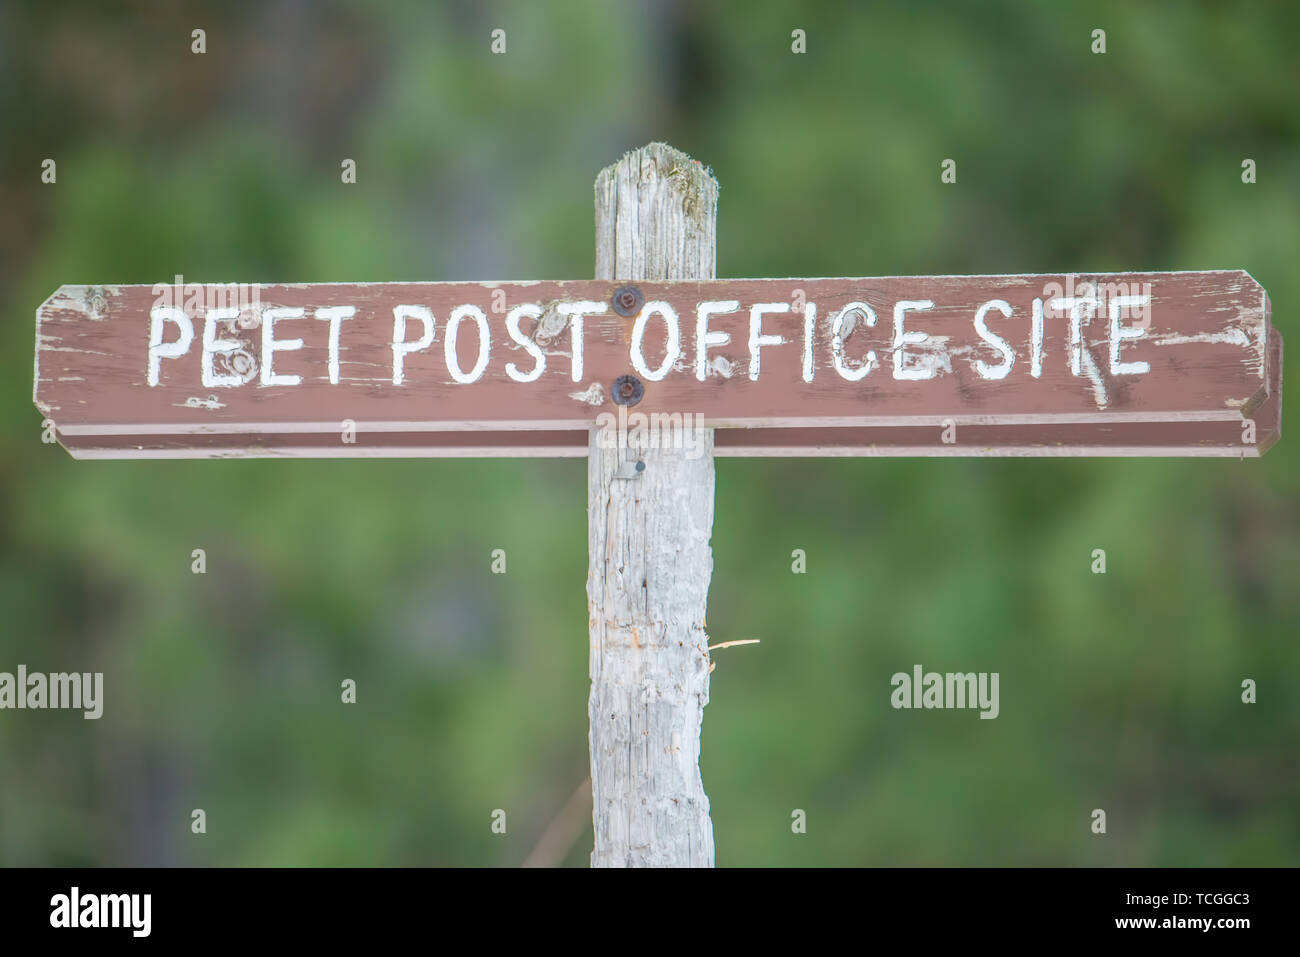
(649, 556)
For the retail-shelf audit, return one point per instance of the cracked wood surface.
(1205, 338)
(649, 555)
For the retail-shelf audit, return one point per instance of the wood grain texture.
(649, 555)
(973, 436)
(1205, 344)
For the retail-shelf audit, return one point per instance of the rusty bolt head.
(627, 390)
(627, 300)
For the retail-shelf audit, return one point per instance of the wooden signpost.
(527, 368)
(1182, 363)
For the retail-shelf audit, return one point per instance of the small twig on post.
(649, 556)
(729, 644)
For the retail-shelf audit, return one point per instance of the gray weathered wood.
(649, 555)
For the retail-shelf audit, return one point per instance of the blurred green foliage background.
(1118, 691)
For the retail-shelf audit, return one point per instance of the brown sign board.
(1121, 364)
